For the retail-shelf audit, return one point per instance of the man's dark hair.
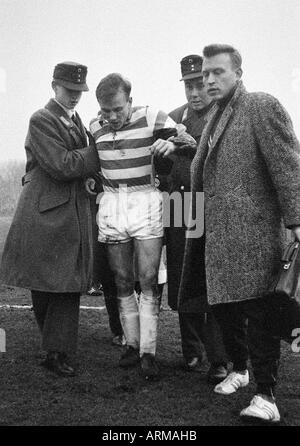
(219, 48)
(111, 84)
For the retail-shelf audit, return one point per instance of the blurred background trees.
(11, 173)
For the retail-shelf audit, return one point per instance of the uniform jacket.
(251, 183)
(180, 174)
(48, 247)
(179, 181)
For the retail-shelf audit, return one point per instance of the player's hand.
(162, 148)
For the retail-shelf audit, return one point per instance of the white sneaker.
(233, 382)
(262, 409)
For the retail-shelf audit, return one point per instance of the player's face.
(196, 93)
(66, 97)
(116, 109)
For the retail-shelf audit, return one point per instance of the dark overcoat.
(179, 181)
(251, 183)
(49, 244)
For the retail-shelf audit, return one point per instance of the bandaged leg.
(129, 317)
(149, 312)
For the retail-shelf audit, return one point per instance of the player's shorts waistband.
(130, 189)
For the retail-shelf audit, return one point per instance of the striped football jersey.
(124, 154)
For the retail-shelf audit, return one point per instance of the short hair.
(111, 84)
(219, 48)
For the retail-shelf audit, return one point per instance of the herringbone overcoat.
(49, 244)
(251, 183)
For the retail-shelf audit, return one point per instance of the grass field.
(102, 394)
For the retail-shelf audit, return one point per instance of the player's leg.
(148, 257)
(120, 257)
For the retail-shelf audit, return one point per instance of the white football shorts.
(124, 215)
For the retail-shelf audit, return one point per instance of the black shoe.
(130, 358)
(216, 373)
(56, 362)
(149, 367)
(194, 365)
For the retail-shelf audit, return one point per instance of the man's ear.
(130, 100)
(53, 84)
(239, 73)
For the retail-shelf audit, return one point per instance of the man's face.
(219, 76)
(116, 109)
(196, 93)
(67, 98)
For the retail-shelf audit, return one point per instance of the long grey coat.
(251, 183)
(49, 245)
(179, 180)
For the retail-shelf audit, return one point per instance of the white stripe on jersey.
(134, 172)
(112, 155)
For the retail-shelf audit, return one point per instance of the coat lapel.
(81, 128)
(200, 156)
(78, 134)
(202, 149)
(224, 118)
(221, 125)
(210, 117)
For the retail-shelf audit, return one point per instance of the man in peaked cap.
(49, 246)
(197, 324)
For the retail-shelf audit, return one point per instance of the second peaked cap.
(191, 67)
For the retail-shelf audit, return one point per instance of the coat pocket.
(51, 201)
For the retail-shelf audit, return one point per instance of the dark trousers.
(252, 340)
(103, 274)
(201, 328)
(57, 315)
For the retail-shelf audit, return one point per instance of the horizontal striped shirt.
(125, 156)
